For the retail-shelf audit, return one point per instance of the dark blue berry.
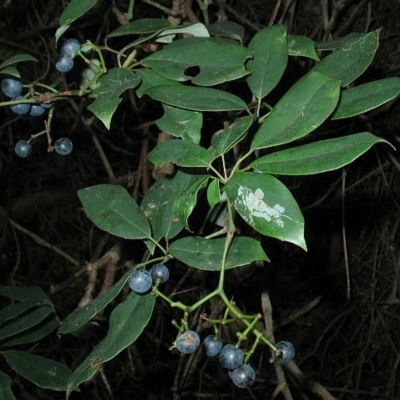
(140, 281)
(187, 342)
(63, 146)
(64, 64)
(22, 108)
(212, 346)
(231, 357)
(70, 47)
(243, 376)
(11, 87)
(286, 352)
(36, 111)
(46, 105)
(159, 272)
(23, 149)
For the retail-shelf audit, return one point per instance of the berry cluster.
(12, 88)
(65, 61)
(231, 357)
(141, 280)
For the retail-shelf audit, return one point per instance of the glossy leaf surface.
(181, 123)
(196, 98)
(180, 152)
(217, 61)
(206, 254)
(112, 209)
(41, 371)
(127, 322)
(267, 206)
(366, 97)
(270, 57)
(111, 86)
(314, 158)
(306, 105)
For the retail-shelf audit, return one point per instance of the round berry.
(63, 146)
(287, 352)
(231, 357)
(11, 87)
(243, 376)
(22, 108)
(47, 105)
(159, 272)
(23, 149)
(140, 281)
(36, 111)
(64, 64)
(212, 346)
(70, 47)
(187, 342)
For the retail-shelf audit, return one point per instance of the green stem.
(129, 14)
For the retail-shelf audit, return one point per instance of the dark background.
(346, 337)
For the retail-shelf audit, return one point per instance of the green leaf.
(17, 59)
(75, 9)
(25, 322)
(217, 61)
(168, 35)
(158, 205)
(186, 202)
(350, 61)
(314, 158)
(14, 310)
(150, 78)
(196, 98)
(112, 209)
(227, 29)
(127, 322)
(33, 295)
(213, 193)
(302, 46)
(306, 105)
(223, 140)
(43, 372)
(270, 57)
(60, 31)
(339, 42)
(11, 71)
(267, 206)
(140, 27)
(180, 152)
(81, 316)
(33, 335)
(181, 123)
(366, 97)
(111, 86)
(206, 254)
(5, 387)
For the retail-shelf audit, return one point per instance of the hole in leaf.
(192, 71)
